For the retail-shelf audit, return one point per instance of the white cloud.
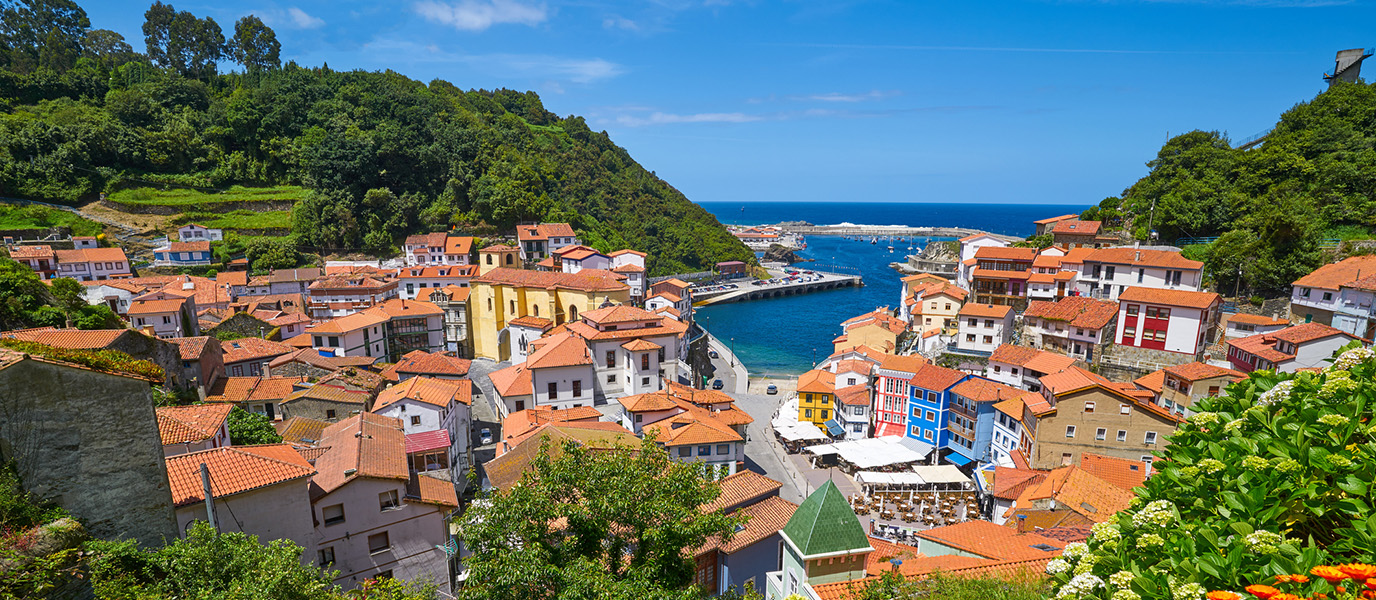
(835, 97)
(620, 22)
(659, 118)
(541, 67)
(478, 15)
(303, 20)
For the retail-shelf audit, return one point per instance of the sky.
(1049, 102)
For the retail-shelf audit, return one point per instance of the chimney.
(1139, 256)
(148, 331)
(1137, 243)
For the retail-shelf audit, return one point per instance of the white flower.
(1211, 465)
(1188, 591)
(1263, 542)
(1149, 540)
(1121, 580)
(1076, 550)
(1126, 595)
(1204, 418)
(1233, 425)
(1057, 566)
(1158, 513)
(1277, 394)
(1080, 586)
(1352, 358)
(1333, 420)
(1104, 532)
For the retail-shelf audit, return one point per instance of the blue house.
(972, 418)
(929, 403)
(183, 254)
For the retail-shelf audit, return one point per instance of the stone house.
(324, 402)
(136, 344)
(1176, 388)
(1075, 326)
(202, 360)
(193, 428)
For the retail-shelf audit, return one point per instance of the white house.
(259, 490)
(539, 241)
(1308, 345)
(388, 330)
(183, 254)
(438, 249)
(984, 327)
(93, 264)
(524, 330)
(419, 281)
(1074, 325)
(192, 232)
(1009, 433)
(561, 372)
(1108, 272)
(169, 315)
(1175, 321)
(635, 350)
(573, 259)
(968, 246)
(428, 404)
(1022, 367)
(1240, 325)
(631, 264)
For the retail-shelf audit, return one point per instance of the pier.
(890, 231)
(747, 290)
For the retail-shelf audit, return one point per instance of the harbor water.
(785, 336)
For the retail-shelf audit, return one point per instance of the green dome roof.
(825, 523)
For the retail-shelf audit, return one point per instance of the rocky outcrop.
(778, 253)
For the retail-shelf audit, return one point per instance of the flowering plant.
(1339, 582)
(1272, 478)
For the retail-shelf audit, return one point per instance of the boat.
(874, 240)
(890, 248)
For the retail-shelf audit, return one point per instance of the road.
(762, 453)
(484, 409)
(745, 287)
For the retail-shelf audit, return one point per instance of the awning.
(834, 428)
(958, 459)
(888, 429)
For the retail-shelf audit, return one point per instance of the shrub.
(1256, 300)
(1272, 478)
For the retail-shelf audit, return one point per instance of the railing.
(683, 277)
(1330, 243)
(1191, 241)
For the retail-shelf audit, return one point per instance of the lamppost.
(814, 357)
(733, 353)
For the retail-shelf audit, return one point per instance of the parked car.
(713, 354)
(717, 384)
(772, 389)
(485, 436)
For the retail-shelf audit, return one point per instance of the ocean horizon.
(785, 336)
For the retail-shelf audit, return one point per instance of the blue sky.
(848, 100)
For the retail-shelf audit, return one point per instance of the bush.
(1272, 478)
(1256, 300)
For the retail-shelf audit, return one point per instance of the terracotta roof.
(909, 363)
(1196, 371)
(421, 362)
(427, 489)
(507, 470)
(1076, 227)
(512, 381)
(621, 313)
(91, 255)
(329, 393)
(149, 307)
(984, 390)
(935, 378)
(929, 289)
(1010, 483)
(740, 488)
(432, 240)
(302, 430)
(543, 231)
(628, 269)
(639, 345)
(1249, 319)
(437, 392)
(1080, 491)
(189, 424)
(1262, 346)
(248, 348)
(995, 311)
(1137, 257)
(1333, 276)
(763, 519)
(1200, 300)
(649, 402)
(1006, 253)
(310, 356)
(1367, 282)
(981, 273)
(692, 428)
(438, 272)
(201, 246)
(1055, 219)
(458, 244)
(426, 441)
(587, 280)
(817, 381)
(455, 293)
(359, 320)
(1124, 473)
(40, 251)
(1078, 311)
(855, 395)
(71, 339)
(233, 470)
(671, 297)
(364, 445)
(231, 389)
(983, 538)
(558, 350)
(522, 422)
(1153, 381)
(529, 321)
(576, 253)
(664, 327)
(1072, 379)
(1012, 406)
(1307, 332)
(1040, 361)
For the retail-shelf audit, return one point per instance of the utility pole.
(209, 498)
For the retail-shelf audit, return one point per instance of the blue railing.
(1191, 241)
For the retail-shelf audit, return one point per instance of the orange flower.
(1371, 584)
(1369, 594)
(1265, 592)
(1358, 571)
(1330, 574)
(1285, 597)
(1340, 589)
(1292, 579)
(1221, 595)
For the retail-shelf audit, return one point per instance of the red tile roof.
(1076, 227)
(427, 489)
(1040, 361)
(364, 445)
(558, 350)
(1153, 381)
(201, 246)
(1010, 483)
(91, 255)
(435, 364)
(1248, 319)
(983, 538)
(1124, 473)
(152, 307)
(190, 424)
(1080, 491)
(1137, 257)
(984, 390)
(437, 392)
(18, 252)
(1187, 299)
(817, 381)
(763, 519)
(740, 488)
(246, 349)
(1307, 332)
(71, 339)
(1078, 311)
(1334, 276)
(994, 311)
(1055, 219)
(234, 470)
(935, 378)
(1006, 253)
(543, 231)
(1196, 371)
(302, 430)
(587, 280)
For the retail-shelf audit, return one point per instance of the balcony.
(964, 432)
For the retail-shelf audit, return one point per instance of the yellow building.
(877, 329)
(499, 257)
(500, 295)
(816, 397)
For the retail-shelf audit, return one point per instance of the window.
(1089, 407)
(989, 323)
(1129, 333)
(807, 413)
(1108, 272)
(329, 413)
(1133, 309)
(974, 322)
(684, 452)
(644, 362)
(1100, 433)
(611, 379)
(988, 339)
(326, 557)
(704, 450)
(333, 514)
(998, 369)
(970, 337)
(1015, 370)
(1327, 296)
(388, 500)
(379, 542)
(1070, 431)
(415, 419)
(578, 388)
(334, 341)
(927, 434)
(553, 390)
(639, 418)
(1122, 435)
(166, 320)
(1213, 390)
(661, 355)
(824, 415)
(1304, 292)
(1150, 437)
(723, 448)
(1140, 274)
(1160, 335)
(611, 358)
(513, 306)
(644, 381)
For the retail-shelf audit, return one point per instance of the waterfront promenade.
(747, 290)
(888, 231)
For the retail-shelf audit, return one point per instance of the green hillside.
(380, 156)
(1272, 206)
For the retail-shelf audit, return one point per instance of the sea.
(786, 336)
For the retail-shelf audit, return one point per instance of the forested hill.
(383, 155)
(1277, 208)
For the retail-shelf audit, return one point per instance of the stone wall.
(1129, 362)
(89, 442)
(243, 325)
(159, 352)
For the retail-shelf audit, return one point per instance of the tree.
(108, 48)
(37, 33)
(265, 254)
(21, 293)
(180, 41)
(592, 523)
(255, 45)
(246, 428)
(68, 294)
(98, 316)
